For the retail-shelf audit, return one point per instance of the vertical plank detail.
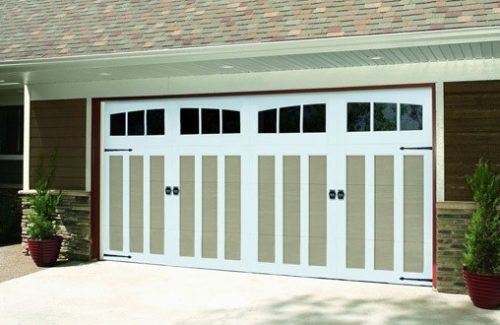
(355, 202)
(413, 214)
(209, 207)
(232, 210)
(317, 210)
(384, 213)
(157, 202)
(116, 203)
(136, 199)
(291, 209)
(266, 187)
(187, 178)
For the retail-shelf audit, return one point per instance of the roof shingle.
(45, 28)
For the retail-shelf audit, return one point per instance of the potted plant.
(43, 226)
(482, 247)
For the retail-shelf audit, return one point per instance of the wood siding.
(472, 131)
(59, 126)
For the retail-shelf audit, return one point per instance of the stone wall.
(453, 218)
(74, 212)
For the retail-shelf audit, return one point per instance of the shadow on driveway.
(306, 309)
(14, 264)
(115, 292)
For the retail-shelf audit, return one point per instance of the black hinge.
(414, 279)
(113, 255)
(114, 150)
(415, 148)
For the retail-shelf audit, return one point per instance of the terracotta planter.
(484, 290)
(45, 252)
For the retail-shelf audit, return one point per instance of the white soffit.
(388, 49)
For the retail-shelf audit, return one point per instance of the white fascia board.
(247, 50)
(410, 73)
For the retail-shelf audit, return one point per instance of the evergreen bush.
(482, 248)
(43, 222)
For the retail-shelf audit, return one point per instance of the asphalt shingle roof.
(45, 28)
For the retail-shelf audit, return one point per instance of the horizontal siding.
(66, 142)
(59, 126)
(57, 132)
(56, 122)
(472, 131)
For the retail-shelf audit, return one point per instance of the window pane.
(358, 117)
(117, 126)
(411, 117)
(156, 121)
(190, 121)
(230, 121)
(290, 119)
(314, 118)
(135, 123)
(11, 130)
(267, 121)
(385, 116)
(210, 121)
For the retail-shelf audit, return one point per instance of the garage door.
(335, 185)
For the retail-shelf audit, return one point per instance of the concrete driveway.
(112, 292)
(13, 263)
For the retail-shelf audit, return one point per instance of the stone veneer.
(453, 218)
(74, 212)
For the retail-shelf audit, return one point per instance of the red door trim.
(96, 146)
(434, 199)
(95, 194)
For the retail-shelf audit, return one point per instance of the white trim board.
(26, 140)
(439, 136)
(466, 70)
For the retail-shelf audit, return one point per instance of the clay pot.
(484, 289)
(45, 252)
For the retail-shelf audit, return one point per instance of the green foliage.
(482, 254)
(43, 222)
(40, 228)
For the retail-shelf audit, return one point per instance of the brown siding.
(59, 125)
(472, 131)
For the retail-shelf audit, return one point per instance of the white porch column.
(440, 183)
(26, 141)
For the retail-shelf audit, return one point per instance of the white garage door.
(335, 185)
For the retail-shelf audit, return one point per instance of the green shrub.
(482, 248)
(43, 222)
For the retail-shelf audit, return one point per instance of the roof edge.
(304, 46)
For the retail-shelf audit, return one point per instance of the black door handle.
(168, 190)
(341, 194)
(332, 194)
(176, 190)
